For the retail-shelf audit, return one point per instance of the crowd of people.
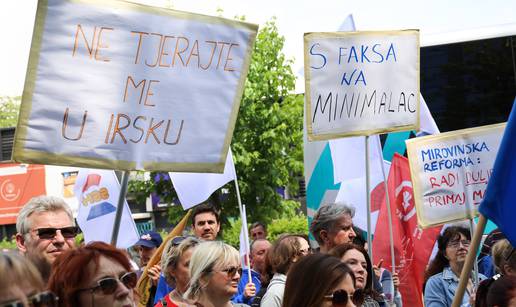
(200, 270)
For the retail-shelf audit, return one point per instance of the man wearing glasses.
(45, 228)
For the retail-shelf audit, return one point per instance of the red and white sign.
(18, 184)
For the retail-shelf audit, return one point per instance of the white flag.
(97, 192)
(244, 243)
(194, 188)
(428, 125)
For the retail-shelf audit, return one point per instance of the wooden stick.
(470, 259)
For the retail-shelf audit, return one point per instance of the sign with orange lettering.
(125, 86)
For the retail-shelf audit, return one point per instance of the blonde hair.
(18, 271)
(500, 253)
(173, 252)
(207, 257)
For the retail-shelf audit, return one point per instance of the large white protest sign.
(125, 86)
(361, 83)
(450, 172)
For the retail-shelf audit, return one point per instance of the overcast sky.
(294, 17)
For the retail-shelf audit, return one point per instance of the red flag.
(412, 246)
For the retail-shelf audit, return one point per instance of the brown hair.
(312, 278)
(70, 271)
(283, 252)
(340, 250)
(440, 261)
(203, 208)
(18, 271)
(502, 291)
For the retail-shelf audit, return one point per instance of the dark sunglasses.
(177, 240)
(42, 299)
(109, 285)
(340, 298)
(232, 270)
(50, 233)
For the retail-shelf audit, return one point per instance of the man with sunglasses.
(45, 228)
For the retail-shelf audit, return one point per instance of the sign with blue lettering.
(450, 172)
(361, 83)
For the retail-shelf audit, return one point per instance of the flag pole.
(470, 259)
(475, 264)
(389, 214)
(242, 215)
(246, 236)
(368, 197)
(120, 207)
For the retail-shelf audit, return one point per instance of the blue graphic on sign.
(100, 210)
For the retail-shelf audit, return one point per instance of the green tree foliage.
(9, 109)
(267, 141)
(297, 224)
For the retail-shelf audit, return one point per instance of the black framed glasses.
(232, 270)
(109, 285)
(50, 233)
(340, 298)
(41, 299)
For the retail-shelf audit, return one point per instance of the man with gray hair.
(45, 228)
(333, 225)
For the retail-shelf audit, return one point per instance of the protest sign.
(117, 85)
(450, 172)
(361, 83)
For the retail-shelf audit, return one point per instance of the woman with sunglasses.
(21, 284)
(321, 281)
(443, 273)
(96, 274)
(175, 262)
(214, 274)
(359, 262)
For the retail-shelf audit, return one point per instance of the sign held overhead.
(450, 172)
(361, 83)
(125, 86)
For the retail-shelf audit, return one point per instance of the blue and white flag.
(97, 193)
(498, 204)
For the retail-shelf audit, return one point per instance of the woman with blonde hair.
(175, 262)
(214, 274)
(21, 283)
